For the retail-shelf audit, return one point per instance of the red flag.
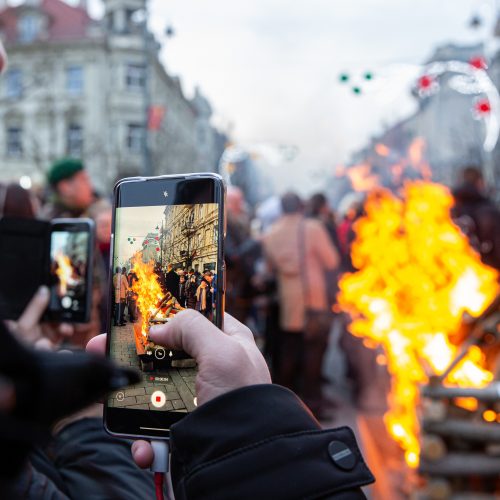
(155, 117)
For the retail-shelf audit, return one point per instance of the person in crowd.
(204, 295)
(132, 297)
(300, 252)
(226, 449)
(478, 216)
(15, 201)
(240, 252)
(182, 290)
(72, 192)
(120, 286)
(172, 281)
(191, 287)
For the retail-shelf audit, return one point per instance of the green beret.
(63, 169)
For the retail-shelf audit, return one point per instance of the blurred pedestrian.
(72, 192)
(204, 295)
(299, 250)
(191, 287)
(120, 287)
(15, 201)
(172, 281)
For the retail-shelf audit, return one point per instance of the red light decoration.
(427, 85)
(157, 239)
(478, 62)
(157, 249)
(482, 107)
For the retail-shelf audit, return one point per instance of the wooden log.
(490, 393)
(438, 489)
(464, 429)
(434, 409)
(462, 464)
(433, 447)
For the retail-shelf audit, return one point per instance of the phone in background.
(70, 270)
(167, 256)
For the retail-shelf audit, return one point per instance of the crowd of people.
(283, 267)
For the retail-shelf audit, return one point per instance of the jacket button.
(341, 455)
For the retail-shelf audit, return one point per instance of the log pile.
(460, 430)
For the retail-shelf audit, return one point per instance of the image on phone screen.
(68, 271)
(164, 261)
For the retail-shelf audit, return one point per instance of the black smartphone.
(58, 254)
(71, 266)
(167, 256)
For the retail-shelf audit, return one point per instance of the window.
(216, 235)
(14, 78)
(135, 77)
(74, 140)
(207, 237)
(14, 141)
(74, 80)
(135, 134)
(28, 28)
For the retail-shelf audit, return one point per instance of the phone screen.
(69, 266)
(166, 258)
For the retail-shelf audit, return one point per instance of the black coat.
(172, 280)
(262, 442)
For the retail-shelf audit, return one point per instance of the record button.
(158, 399)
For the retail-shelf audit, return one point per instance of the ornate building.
(190, 235)
(95, 89)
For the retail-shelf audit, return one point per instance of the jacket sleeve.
(262, 442)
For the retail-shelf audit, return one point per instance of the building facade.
(94, 89)
(190, 235)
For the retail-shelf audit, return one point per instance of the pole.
(146, 152)
(161, 245)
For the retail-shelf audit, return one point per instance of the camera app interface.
(68, 269)
(165, 261)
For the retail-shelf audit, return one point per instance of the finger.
(234, 328)
(34, 310)
(142, 453)
(7, 395)
(97, 345)
(188, 331)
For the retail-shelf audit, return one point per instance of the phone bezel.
(149, 423)
(75, 225)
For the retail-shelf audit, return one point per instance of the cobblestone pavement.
(178, 386)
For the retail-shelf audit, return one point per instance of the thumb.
(34, 310)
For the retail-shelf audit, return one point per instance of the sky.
(270, 68)
(135, 222)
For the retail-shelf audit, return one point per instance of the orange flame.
(148, 289)
(362, 178)
(64, 271)
(417, 275)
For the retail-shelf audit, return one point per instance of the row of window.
(135, 77)
(74, 140)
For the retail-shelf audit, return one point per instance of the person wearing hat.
(73, 194)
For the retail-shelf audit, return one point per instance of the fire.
(64, 271)
(417, 275)
(147, 288)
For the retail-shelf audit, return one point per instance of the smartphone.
(58, 254)
(167, 256)
(71, 265)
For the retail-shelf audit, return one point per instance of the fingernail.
(43, 291)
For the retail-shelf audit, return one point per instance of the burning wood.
(64, 272)
(417, 277)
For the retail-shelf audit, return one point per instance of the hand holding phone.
(164, 229)
(227, 359)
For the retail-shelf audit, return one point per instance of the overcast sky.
(270, 67)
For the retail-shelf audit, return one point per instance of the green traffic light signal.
(368, 75)
(344, 77)
(356, 90)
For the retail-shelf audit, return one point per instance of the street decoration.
(469, 78)
(356, 88)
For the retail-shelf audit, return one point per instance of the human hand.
(29, 329)
(227, 359)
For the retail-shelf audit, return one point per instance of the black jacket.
(261, 442)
